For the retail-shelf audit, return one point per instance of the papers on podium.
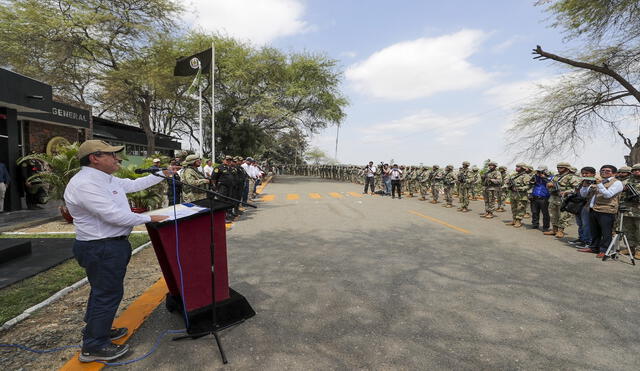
(181, 211)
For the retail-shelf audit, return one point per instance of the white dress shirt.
(208, 171)
(99, 206)
(613, 190)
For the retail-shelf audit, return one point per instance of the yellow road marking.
(132, 318)
(293, 196)
(262, 186)
(335, 195)
(440, 222)
(355, 194)
(267, 198)
(315, 196)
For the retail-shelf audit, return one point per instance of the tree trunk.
(634, 154)
(145, 123)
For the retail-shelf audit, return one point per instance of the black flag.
(185, 67)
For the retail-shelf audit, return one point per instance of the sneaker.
(580, 244)
(573, 242)
(114, 333)
(107, 353)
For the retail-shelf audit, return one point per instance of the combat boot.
(465, 210)
(500, 209)
(449, 206)
(422, 198)
(551, 232)
(434, 201)
(489, 216)
(560, 233)
(460, 209)
(526, 216)
(513, 222)
(517, 224)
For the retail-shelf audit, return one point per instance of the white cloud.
(501, 47)
(516, 93)
(259, 21)
(421, 68)
(444, 129)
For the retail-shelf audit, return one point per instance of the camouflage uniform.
(437, 175)
(519, 185)
(502, 191)
(491, 182)
(475, 183)
(449, 182)
(193, 177)
(631, 213)
(465, 181)
(565, 182)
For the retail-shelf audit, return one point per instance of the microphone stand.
(211, 195)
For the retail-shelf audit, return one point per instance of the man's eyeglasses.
(99, 154)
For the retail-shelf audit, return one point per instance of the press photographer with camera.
(603, 198)
(540, 199)
(588, 174)
(369, 173)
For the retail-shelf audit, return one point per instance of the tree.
(601, 88)
(316, 156)
(74, 44)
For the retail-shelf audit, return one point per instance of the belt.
(111, 238)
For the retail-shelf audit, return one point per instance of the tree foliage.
(600, 88)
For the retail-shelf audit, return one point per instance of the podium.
(187, 240)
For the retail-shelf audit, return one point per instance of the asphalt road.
(373, 283)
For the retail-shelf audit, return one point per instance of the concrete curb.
(29, 223)
(55, 297)
(45, 233)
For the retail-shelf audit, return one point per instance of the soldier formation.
(497, 187)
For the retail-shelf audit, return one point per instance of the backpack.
(573, 203)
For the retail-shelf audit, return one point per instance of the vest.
(606, 205)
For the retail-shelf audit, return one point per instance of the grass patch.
(16, 298)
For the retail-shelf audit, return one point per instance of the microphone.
(149, 170)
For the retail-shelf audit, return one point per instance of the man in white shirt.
(396, 177)
(208, 169)
(603, 198)
(369, 176)
(103, 220)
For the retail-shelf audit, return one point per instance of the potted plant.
(60, 166)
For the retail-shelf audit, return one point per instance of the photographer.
(630, 209)
(603, 197)
(396, 179)
(588, 174)
(386, 179)
(369, 172)
(540, 199)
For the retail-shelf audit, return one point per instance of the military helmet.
(635, 167)
(450, 167)
(492, 163)
(564, 164)
(474, 168)
(521, 164)
(465, 163)
(624, 169)
(502, 167)
(436, 166)
(190, 160)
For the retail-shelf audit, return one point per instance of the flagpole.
(200, 118)
(213, 103)
(337, 134)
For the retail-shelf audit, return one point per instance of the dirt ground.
(60, 323)
(61, 226)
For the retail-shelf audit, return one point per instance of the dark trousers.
(368, 181)
(106, 264)
(601, 225)
(540, 205)
(396, 187)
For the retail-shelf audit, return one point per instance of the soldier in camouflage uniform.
(527, 206)
(436, 178)
(475, 182)
(502, 191)
(561, 184)
(491, 182)
(624, 173)
(449, 182)
(630, 208)
(191, 176)
(425, 183)
(519, 185)
(465, 181)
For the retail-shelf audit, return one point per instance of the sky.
(428, 82)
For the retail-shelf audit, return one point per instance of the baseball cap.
(94, 145)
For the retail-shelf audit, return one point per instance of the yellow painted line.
(315, 196)
(335, 195)
(354, 194)
(132, 318)
(262, 186)
(440, 222)
(267, 198)
(293, 196)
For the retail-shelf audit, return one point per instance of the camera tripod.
(614, 247)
